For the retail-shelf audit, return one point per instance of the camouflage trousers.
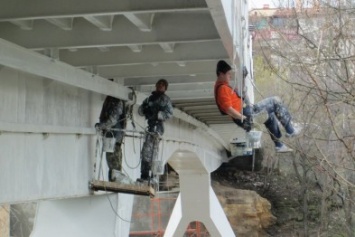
(149, 153)
(273, 106)
(277, 111)
(114, 159)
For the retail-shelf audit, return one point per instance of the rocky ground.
(281, 190)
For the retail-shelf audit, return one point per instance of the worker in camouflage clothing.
(156, 108)
(113, 116)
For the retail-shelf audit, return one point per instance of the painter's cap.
(223, 67)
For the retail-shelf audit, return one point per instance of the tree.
(312, 50)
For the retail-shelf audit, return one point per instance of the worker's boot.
(110, 178)
(120, 177)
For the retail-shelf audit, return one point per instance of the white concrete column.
(197, 200)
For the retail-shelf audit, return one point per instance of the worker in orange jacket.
(230, 103)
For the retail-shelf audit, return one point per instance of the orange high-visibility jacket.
(226, 97)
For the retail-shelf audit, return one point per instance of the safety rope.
(99, 151)
(234, 24)
(130, 109)
(125, 158)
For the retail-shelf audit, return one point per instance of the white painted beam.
(104, 49)
(168, 28)
(181, 63)
(52, 53)
(192, 95)
(160, 70)
(209, 113)
(192, 51)
(195, 91)
(184, 79)
(23, 24)
(207, 86)
(198, 107)
(63, 23)
(144, 22)
(92, 69)
(182, 104)
(104, 23)
(167, 47)
(136, 48)
(10, 9)
(21, 59)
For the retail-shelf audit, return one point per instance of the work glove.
(247, 124)
(98, 128)
(141, 110)
(160, 115)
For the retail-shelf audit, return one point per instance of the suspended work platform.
(136, 189)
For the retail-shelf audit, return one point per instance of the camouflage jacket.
(157, 107)
(113, 115)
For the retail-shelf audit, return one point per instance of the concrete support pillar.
(197, 200)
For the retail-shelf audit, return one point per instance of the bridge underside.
(53, 163)
(54, 65)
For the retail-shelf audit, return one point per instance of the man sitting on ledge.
(230, 103)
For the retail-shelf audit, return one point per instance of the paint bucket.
(108, 143)
(157, 167)
(254, 138)
(237, 149)
(120, 177)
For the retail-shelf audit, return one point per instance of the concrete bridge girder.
(47, 144)
(51, 166)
